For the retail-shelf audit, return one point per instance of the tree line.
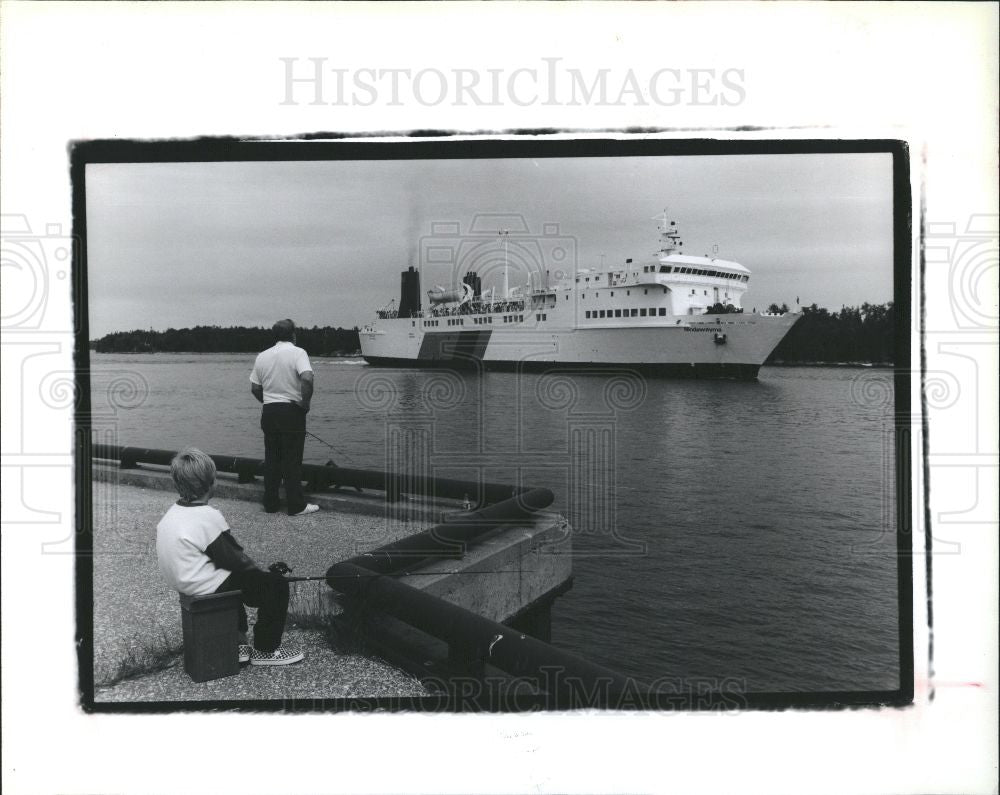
(854, 334)
(325, 341)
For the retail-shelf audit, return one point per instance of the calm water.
(722, 529)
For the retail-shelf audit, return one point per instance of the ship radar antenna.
(669, 236)
(503, 237)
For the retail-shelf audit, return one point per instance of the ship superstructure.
(672, 314)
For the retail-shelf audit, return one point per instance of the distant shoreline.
(856, 365)
(219, 353)
(866, 365)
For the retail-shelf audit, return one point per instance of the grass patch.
(140, 655)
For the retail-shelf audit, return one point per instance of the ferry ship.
(672, 315)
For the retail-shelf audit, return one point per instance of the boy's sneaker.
(280, 656)
(245, 652)
(310, 508)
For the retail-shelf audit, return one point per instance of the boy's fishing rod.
(282, 569)
(396, 574)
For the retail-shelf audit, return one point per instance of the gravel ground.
(323, 674)
(137, 618)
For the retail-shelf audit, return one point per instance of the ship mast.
(506, 288)
(669, 236)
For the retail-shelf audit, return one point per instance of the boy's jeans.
(269, 594)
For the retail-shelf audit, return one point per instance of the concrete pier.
(510, 578)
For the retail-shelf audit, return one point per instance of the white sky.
(182, 244)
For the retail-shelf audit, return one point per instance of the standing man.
(282, 379)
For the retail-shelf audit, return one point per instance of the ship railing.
(475, 308)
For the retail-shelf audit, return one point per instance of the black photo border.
(327, 146)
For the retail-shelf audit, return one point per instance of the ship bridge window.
(663, 311)
(664, 269)
(634, 312)
(642, 312)
(601, 313)
(618, 313)
(588, 314)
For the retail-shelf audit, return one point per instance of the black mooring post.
(128, 458)
(393, 493)
(245, 474)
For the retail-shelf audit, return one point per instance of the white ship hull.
(692, 347)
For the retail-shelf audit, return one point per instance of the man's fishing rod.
(334, 449)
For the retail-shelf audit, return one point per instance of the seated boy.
(198, 555)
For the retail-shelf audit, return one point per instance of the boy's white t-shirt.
(182, 536)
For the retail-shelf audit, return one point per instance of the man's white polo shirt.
(277, 370)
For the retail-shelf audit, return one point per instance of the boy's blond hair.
(193, 472)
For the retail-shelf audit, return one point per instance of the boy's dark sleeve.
(227, 554)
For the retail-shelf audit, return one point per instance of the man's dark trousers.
(284, 426)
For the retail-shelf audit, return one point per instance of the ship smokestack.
(475, 283)
(409, 293)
